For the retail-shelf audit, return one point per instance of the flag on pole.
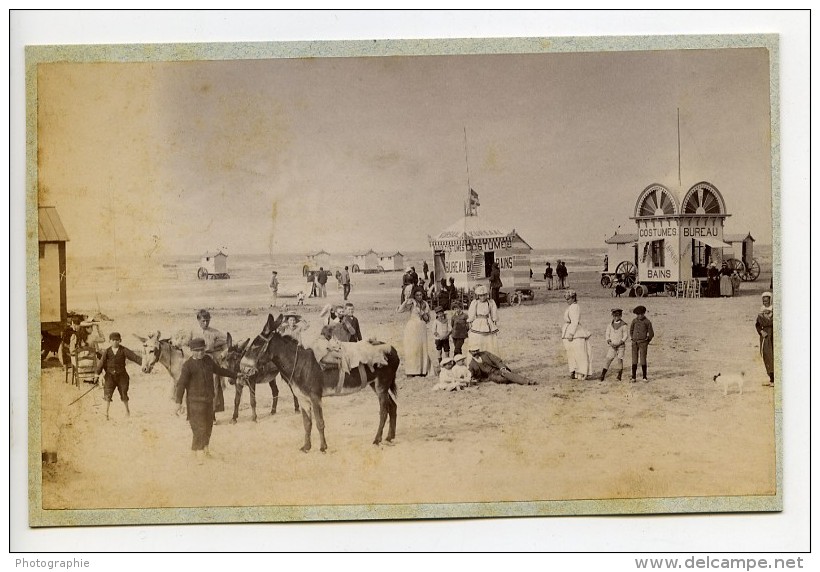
(474, 199)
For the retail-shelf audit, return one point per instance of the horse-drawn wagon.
(213, 266)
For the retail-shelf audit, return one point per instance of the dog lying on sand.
(730, 379)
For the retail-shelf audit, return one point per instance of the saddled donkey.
(310, 382)
(257, 373)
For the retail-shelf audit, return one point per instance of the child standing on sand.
(616, 336)
(441, 333)
(459, 326)
(641, 332)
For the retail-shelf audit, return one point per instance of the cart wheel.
(606, 281)
(380, 269)
(515, 299)
(737, 266)
(202, 274)
(753, 272)
(627, 273)
(641, 291)
(355, 268)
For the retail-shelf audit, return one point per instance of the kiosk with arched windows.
(676, 238)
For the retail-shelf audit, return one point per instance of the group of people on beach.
(560, 271)
(723, 282)
(477, 330)
(466, 349)
(575, 338)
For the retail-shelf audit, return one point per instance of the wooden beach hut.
(318, 260)
(213, 265)
(52, 239)
(741, 247)
(621, 259)
(467, 249)
(365, 262)
(314, 261)
(392, 262)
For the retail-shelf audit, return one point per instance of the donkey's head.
(256, 359)
(151, 350)
(231, 356)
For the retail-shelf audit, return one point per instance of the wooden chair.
(682, 290)
(695, 288)
(85, 365)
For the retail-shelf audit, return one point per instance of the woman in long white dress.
(576, 339)
(483, 319)
(416, 347)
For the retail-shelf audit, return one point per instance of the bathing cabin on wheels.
(676, 239)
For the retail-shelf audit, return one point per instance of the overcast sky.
(347, 154)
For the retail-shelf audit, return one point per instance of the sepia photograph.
(377, 280)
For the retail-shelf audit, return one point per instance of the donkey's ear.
(140, 338)
(244, 345)
(268, 325)
(278, 321)
(228, 337)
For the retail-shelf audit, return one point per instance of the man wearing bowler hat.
(486, 366)
(196, 378)
(113, 362)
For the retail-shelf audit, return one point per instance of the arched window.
(703, 199)
(656, 200)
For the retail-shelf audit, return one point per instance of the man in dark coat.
(495, 284)
(113, 362)
(196, 378)
(486, 366)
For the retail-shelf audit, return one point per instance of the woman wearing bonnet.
(765, 329)
(416, 349)
(482, 316)
(576, 339)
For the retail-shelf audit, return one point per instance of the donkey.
(156, 350)
(261, 373)
(310, 382)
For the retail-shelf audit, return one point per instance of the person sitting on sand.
(446, 380)
(486, 366)
(460, 371)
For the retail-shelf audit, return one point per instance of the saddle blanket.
(364, 353)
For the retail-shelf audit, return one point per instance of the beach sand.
(675, 436)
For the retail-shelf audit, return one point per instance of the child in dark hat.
(641, 332)
(113, 362)
(196, 380)
(616, 336)
(460, 329)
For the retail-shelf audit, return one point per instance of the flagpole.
(679, 183)
(467, 205)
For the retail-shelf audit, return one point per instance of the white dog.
(730, 379)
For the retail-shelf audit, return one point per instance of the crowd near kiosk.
(467, 250)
